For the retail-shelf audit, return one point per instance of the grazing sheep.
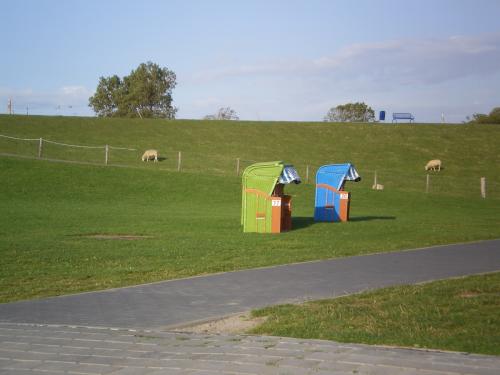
(433, 164)
(150, 154)
(378, 187)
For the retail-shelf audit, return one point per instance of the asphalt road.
(164, 305)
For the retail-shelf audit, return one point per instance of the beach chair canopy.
(261, 179)
(335, 175)
(289, 175)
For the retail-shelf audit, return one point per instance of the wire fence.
(220, 164)
(45, 148)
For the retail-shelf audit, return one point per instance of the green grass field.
(397, 152)
(191, 220)
(456, 314)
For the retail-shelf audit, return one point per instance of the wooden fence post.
(237, 166)
(483, 187)
(106, 154)
(427, 184)
(40, 147)
(179, 162)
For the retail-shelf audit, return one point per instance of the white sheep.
(433, 164)
(150, 154)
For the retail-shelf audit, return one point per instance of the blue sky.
(268, 60)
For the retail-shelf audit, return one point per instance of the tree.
(350, 112)
(145, 92)
(107, 96)
(479, 118)
(492, 118)
(495, 115)
(223, 114)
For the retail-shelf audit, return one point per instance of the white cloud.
(411, 61)
(427, 76)
(63, 100)
(207, 103)
(77, 92)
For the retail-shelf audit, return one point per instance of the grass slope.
(457, 314)
(193, 218)
(397, 152)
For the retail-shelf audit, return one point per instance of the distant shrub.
(350, 112)
(492, 118)
(226, 113)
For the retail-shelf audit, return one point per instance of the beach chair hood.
(335, 175)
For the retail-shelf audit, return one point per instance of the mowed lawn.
(458, 314)
(190, 223)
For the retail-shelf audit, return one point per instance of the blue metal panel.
(327, 205)
(334, 175)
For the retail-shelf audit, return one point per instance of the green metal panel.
(261, 177)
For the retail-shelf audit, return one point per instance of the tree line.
(147, 92)
(492, 118)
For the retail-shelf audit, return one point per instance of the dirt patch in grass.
(469, 294)
(477, 294)
(123, 237)
(235, 324)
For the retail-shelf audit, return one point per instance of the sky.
(266, 59)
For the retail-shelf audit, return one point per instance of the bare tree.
(225, 113)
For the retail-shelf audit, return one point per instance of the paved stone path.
(55, 335)
(41, 349)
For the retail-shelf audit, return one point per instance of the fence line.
(66, 144)
(90, 147)
(225, 166)
(306, 166)
(19, 139)
(41, 141)
(122, 148)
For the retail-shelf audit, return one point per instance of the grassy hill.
(54, 215)
(397, 152)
